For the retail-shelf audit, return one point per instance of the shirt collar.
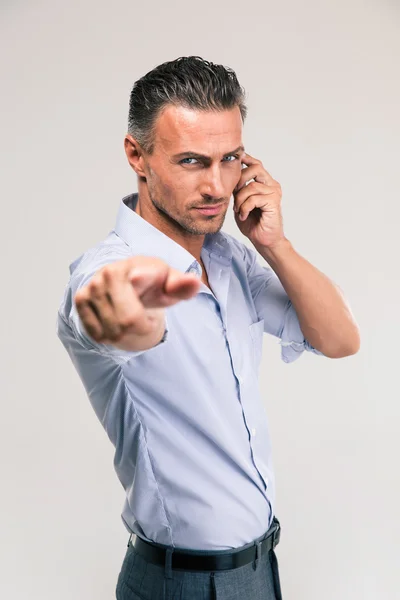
(145, 239)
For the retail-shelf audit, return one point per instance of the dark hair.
(188, 81)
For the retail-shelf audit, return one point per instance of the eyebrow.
(203, 156)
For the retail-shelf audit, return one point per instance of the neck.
(192, 243)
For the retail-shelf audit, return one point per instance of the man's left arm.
(324, 316)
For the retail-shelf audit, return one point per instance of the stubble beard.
(209, 224)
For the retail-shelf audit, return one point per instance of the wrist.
(276, 252)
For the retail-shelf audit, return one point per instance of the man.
(164, 322)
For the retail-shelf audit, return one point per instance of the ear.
(134, 155)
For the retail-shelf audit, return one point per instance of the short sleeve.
(84, 271)
(274, 306)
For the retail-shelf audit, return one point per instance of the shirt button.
(194, 269)
(240, 379)
(253, 432)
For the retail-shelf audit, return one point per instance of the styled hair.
(188, 81)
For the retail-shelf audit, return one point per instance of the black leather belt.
(210, 562)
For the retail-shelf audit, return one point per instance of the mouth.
(210, 210)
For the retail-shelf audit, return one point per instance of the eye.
(231, 156)
(187, 163)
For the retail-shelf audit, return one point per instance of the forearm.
(324, 316)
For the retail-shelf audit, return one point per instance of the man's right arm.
(122, 304)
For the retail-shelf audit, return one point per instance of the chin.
(214, 227)
(202, 226)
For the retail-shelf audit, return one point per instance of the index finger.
(263, 176)
(248, 160)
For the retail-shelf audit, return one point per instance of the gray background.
(323, 92)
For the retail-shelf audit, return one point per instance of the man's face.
(195, 163)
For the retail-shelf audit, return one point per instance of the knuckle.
(80, 298)
(114, 336)
(112, 331)
(92, 331)
(107, 271)
(95, 286)
(118, 334)
(128, 322)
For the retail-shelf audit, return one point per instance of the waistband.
(204, 560)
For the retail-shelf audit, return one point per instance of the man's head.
(185, 142)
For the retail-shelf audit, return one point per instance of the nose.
(212, 184)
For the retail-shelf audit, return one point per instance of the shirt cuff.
(291, 351)
(292, 340)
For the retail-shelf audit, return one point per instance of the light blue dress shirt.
(190, 431)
